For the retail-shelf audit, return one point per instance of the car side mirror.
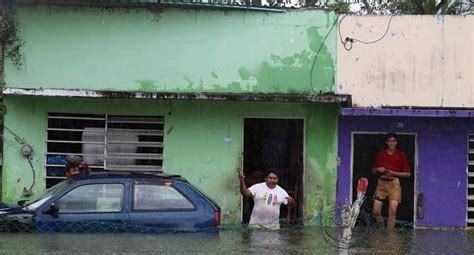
(21, 203)
(52, 210)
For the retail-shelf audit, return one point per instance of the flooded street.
(308, 240)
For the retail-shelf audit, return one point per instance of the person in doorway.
(75, 166)
(389, 165)
(267, 197)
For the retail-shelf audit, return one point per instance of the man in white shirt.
(267, 197)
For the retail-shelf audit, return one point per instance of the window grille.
(106, 142)
(470, 182)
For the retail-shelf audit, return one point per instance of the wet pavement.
(306, 240)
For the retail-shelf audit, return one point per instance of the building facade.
(415, 81)
(199, 92)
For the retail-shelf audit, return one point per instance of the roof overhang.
(407, 112)
(210, 96)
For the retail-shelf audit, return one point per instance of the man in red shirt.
(389, 164)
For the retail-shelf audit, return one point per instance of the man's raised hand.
(241, 174)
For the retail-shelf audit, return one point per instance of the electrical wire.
(34, 174)
(344, 42)
(317, 54)
(350, 40)
(22, 142)
(17, 137)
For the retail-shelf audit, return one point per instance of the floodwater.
(304, 240)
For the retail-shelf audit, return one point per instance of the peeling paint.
(278, 73)
(183, 52)
(147, 85)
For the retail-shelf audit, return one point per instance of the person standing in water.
(389, 165)
(267, 197)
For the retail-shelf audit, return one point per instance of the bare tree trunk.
(439, 6)
(367, 6)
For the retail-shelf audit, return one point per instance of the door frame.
(414, 170)
(304, 153)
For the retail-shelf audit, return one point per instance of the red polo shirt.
(396, 162)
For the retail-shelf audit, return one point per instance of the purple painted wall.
(442, 162)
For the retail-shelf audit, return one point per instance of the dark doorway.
(365, 148)
(275, 144)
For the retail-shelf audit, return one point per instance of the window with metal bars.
(470, 182)
(106, 142)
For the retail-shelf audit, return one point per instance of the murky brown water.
(307, 240)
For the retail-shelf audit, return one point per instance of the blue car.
(115, 202)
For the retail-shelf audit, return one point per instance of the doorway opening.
(365, 147)
(277, 145)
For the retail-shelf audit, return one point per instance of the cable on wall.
(348, 41)
(317, 54)
(27, 152)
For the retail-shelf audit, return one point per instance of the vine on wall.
(9, 35)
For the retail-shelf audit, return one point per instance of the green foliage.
(445, 7)
(453, 8)
(340, 7)
(409, 7)
(311, 2)
(9, 35)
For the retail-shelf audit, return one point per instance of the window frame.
(159, 183)
(108, 119)
(96, 212)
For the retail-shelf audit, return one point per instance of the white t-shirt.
(266, 208)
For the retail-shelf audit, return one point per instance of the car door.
(99, 206)
(162, 206)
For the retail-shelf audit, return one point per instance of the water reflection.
(453, 242)
(305, 240)
(387, 241)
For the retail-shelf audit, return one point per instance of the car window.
(157, 197)
(92, 198)
(47, 193)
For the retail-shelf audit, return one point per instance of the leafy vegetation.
(9, 35)
(443, 7)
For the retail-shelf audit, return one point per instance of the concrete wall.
(442, 158)
(174, 50)
(193, 143)
(422, 61)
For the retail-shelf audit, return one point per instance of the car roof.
(128, 175)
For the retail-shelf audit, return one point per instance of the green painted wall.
(191, 50)
(194, 147)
